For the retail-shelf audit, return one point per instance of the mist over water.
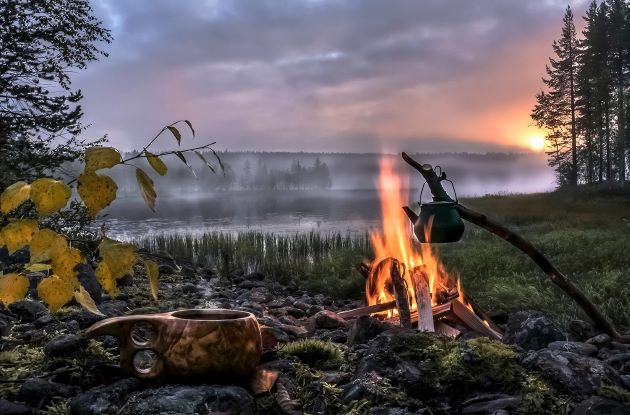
(302, 192)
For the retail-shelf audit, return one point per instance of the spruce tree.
(556, 109)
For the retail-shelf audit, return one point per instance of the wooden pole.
(420, 281)
(556, 277)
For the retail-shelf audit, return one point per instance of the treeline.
(585, 107)
(297, 177)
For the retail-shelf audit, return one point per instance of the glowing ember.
(395, 241)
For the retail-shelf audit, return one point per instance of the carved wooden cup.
(187, 344)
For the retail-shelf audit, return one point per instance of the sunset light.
(537, 142)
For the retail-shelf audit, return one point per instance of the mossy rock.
(316, 353)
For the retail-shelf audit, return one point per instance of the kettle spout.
(411, 214)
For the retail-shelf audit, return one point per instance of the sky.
(323, 75)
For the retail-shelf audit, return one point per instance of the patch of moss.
(316, 353)
(616, 392)
(457, 368)
(20, 363)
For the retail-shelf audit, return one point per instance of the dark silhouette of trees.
(41, 42)
(584, 108)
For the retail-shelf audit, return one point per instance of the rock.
(166, 269)
(302, 305)
(490, 404)
(531, 330)
(597, 405)
(619, 361)
(113, 308)
(582, 330)
(250, 284)
(39, 392)
(584, 349)
(327, 319)
(84, 318)
(295, 312)
(88, 280)
(498, 316)
(33, 280)
(105, 399)
(13, 408)
(353, 392)
(21, 256)
(43, 321)
(255, 276)
(190, 288)
(64, 345)
(260, 295)
(28, 310)
(5, 325)
(364, 329)
(190, 400)
(335, 336)
(296, 331)
(601, 340)
(571, 372)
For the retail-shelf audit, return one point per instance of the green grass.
(585, 233)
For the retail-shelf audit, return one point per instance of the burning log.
(420, 280)
(400, 293)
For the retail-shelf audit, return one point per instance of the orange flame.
(395, 241)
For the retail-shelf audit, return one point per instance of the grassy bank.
(585, 234)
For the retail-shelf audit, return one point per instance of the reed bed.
(320, 262)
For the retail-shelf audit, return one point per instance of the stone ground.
(326, 365)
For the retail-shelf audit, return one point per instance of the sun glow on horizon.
(537, 142)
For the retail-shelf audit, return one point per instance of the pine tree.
(619, 59)
(556, 110)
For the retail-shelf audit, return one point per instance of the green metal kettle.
(438, 222)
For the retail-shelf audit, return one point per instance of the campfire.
(406, 282)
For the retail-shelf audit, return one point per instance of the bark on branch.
(559, 279)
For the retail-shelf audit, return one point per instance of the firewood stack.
(453, 314)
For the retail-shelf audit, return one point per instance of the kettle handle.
(442, 179)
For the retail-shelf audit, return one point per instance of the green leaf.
(175, 133)
(205, 161)
(146, 188)
(180, 155)
(191, 127)
(155, 162)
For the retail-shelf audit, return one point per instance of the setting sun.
(537, 142)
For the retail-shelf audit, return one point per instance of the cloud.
(319, 74)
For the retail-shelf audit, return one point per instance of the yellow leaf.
(97, 191)
(18, 234)
(49, 195)
(101, 158)
(85, 299)
(55, 291)
(120, 257)
(45, 245)
(13, 287)
(13, 196)
(153, 272)
(38, 267)
(104, 277)
(64, 262)
(157, 164)
(176, 133)
(146, 188)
